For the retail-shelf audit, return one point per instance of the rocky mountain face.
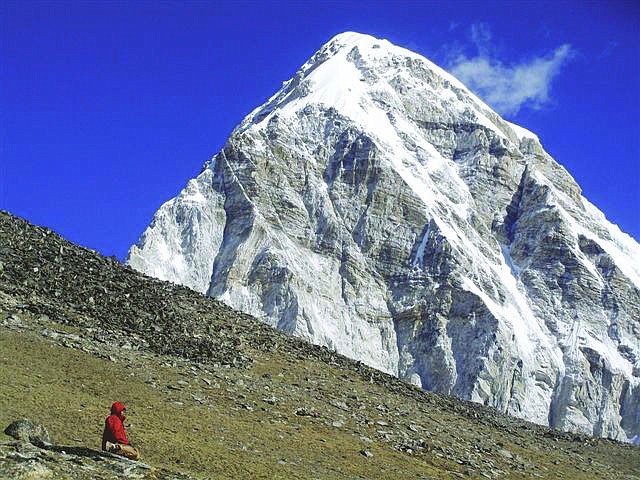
(377, 207)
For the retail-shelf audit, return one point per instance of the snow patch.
(521, 132)
(419, 260)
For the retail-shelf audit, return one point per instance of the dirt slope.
(216, 394)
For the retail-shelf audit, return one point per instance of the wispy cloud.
(508, 87)
(481, 37)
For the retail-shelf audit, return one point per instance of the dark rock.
(26, 430)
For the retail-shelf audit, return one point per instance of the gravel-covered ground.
(217, 394)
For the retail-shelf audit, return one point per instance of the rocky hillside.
(374, 205)
(214, 393)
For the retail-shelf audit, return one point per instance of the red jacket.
(114, 427)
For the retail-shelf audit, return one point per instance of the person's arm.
(116, 427)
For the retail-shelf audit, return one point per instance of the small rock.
(303, 412)
(341, 406)
(505, 453)
(366, 453)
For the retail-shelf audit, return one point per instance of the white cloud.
(481, 36)
(507, 88)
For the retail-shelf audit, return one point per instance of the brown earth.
(214, 393)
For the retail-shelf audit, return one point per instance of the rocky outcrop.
(34, 457)
(25, 430)
(377, 207)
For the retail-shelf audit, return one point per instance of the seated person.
(114, 438)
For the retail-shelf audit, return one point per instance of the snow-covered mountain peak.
(374, 83)
(350, 40)
(376, 206)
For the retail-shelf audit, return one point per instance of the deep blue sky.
(107, 109)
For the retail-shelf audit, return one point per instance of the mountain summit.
(376, 206)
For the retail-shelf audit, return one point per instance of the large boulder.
(28, 431)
